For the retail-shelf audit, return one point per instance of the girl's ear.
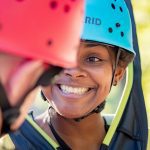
(119, 73)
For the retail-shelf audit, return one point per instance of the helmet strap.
(98, 109)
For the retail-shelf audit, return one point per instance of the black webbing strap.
(98, 109)
(9, 113)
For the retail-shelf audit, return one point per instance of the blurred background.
(142, 18)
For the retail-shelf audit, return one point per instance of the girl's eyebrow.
(92, 44)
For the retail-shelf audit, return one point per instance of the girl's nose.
(75, 73)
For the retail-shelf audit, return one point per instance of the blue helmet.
(108, 21)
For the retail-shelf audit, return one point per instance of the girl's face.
(77, 91)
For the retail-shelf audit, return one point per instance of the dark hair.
(125, 58)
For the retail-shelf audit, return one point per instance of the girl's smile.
(74, 92)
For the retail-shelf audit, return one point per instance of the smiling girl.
(78, 95)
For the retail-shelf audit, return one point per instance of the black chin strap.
(98, 109)
(9, 113)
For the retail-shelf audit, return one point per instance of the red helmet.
(41, 29)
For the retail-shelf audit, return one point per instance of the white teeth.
(68, 89)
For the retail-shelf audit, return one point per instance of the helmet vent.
(49, 42)
(110, 30)
(113, 6)
(122, 34)
(1, 26)
(66, 8)
(121, 9)
(53, 4)
(118, 25)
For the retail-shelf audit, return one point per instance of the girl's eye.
(93, 59)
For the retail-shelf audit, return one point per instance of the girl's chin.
(71, 115)
(68, 114)
(69, 111)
